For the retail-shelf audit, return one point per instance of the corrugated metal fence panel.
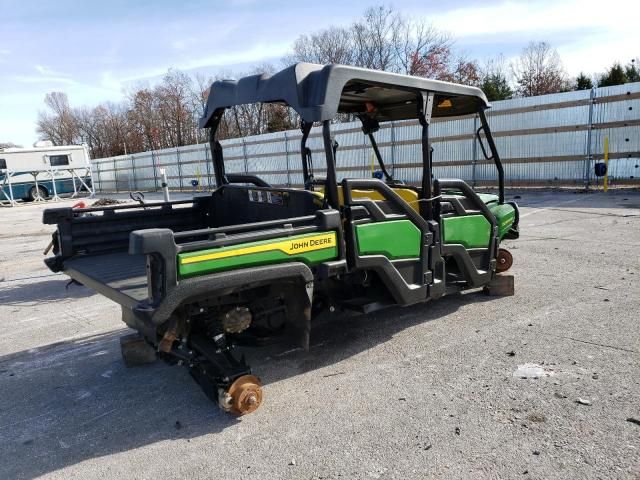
(557, 117)
(542, 141)
(553, 98)
(624, 141)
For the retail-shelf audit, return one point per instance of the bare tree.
(376, 37)
(144, 117)
(423, 50)
(464, 71)
(385, 40)
(59, 124)
(9, 145)
(333, 45)
(90, 130)
(538, 70)
(115, 128)
(175, 107)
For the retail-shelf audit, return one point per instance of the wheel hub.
(244, 395)
(504, 260)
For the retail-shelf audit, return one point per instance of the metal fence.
(550, 140)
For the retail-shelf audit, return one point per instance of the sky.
(96, 51)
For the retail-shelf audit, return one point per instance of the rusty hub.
(504, 260)
(244, 395)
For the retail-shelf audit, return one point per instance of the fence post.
(98, 179)
(475, 152)
(589, 157)
(179, 168)
(115, 174)
(393, 149)
(368, 157)
(244, 152)
(207, 162)
(286, 150)
(155, 171)
(133, 172)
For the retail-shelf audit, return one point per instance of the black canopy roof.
(319, 92)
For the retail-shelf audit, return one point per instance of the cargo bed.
(129, 253)
(118, 276)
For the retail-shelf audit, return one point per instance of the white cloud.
(257, 53)
(43, 79)
(45, 75)
(607, 35)
(537, 17)
(597, 52)
(48, 72)
(109, 82)
(182, 43)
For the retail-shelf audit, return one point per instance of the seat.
(407, 194)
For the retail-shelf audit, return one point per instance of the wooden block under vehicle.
(501, 285)
(136, 351)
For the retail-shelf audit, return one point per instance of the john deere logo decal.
(290, 247)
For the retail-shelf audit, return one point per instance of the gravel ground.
(430, 391)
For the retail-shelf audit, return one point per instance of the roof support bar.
(424, 116)
(216, 153)
(376, 151)
(331, 185)
(494, 153)
(369, 127)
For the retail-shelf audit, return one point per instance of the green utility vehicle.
(251, 262)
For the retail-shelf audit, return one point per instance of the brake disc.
(504, 260)
(244, 395)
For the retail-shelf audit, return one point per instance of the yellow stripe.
(293, 246)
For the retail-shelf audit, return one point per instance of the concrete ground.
(430, 391)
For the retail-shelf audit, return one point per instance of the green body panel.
(393, 239)
(472, 231)
(253, 259)
(505, 216)
(488, 198)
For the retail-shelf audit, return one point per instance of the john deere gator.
(250, 262)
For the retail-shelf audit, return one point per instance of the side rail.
(96, 230)
(174, 257)
(243, 178)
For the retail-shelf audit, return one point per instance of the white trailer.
(44, 172)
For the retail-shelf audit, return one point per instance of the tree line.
(166, 115)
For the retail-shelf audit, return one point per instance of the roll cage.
(318, 93)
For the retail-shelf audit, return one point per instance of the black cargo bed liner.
(118, 276)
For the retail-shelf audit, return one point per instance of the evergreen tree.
(614, 76)
(583, 82)
(632, 72)
(496, 87)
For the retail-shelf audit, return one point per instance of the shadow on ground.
(69, 402)
(24, 293)
(575, 199)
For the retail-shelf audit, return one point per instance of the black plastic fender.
(298, 274)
